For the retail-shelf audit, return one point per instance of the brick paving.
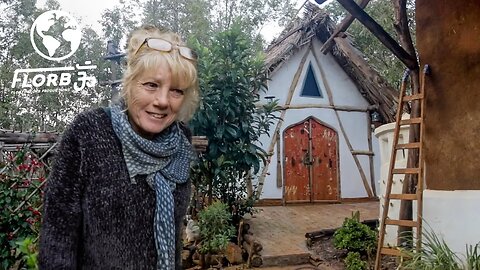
(281, 229)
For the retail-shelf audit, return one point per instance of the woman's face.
(155, 102)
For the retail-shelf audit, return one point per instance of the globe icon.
(55, 35)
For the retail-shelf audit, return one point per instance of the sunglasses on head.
(163, 45)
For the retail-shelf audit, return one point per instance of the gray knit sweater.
(93, 216)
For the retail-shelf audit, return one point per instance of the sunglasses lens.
(160, 44)
(187, 53)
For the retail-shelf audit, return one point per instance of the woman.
(118, 190)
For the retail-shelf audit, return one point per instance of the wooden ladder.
(417, 196)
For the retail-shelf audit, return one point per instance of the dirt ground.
(326, 256)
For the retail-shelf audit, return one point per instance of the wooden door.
(324, 163)
(310, 162)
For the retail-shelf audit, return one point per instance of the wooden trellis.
(39, 147)
(37, 153)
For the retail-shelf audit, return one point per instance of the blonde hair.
(183, 71)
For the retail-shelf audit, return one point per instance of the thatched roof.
(316, 23)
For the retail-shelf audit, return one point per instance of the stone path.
(281, 229)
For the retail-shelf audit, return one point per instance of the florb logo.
(55, 35)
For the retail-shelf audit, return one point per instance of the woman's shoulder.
(89, 121)
(91, 117)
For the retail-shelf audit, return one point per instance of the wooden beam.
(11, 141)
(409, 60)
(363, 153)
(342, 27)
(324, 106)
(279, 163)
(370, 157)
(10, 137)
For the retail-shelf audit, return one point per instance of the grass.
(435, 254)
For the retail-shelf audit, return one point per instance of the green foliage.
(215, 228)
(27, 249)
(436, 254)
(355, 236)
(118, 21)
(21, 179)
(354, 261)
(231, 76)
(202, 19)
(473, 257)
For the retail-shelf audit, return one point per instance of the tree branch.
(409, 60)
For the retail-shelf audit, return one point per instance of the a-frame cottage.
(321, 148)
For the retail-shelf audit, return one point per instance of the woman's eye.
(177, 92)
(150, 86)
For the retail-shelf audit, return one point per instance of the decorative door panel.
(324, 162)
(310, 162)
(297, 179)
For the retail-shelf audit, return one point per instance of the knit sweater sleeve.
(62, 215)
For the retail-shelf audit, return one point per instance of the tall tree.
(119, 20)
(200, 19)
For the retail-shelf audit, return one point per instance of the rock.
(233, 253)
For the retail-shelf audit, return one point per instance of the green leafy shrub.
(215, 228)
(22, 178)
(354, 261)
(27, 249)
(355, 236)
(232, 75)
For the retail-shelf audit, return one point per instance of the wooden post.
(370, 157)
(279, 163)
(1, 152)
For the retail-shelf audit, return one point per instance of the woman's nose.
(161, 98)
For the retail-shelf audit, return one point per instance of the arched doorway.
(310, 162)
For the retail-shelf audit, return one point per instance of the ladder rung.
(411, 121)
(413, 97)
(393, 252)
(408, 145)
(405, 223)
(409, 197)
(406, 171)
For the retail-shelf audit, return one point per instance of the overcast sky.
(90, 11)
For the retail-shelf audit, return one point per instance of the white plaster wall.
(453, 216)
(344, 90)
(355, 123)
(282, 79)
